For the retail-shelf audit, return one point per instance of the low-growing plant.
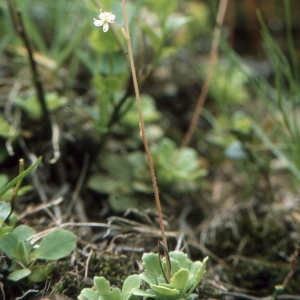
(28, 258)
(9, 192)
(186, 275)
(173, 277)
(103, 291)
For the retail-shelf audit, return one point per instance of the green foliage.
(26, 257)
(150, 113)
(279, 132)
(5, 210)
(19, 177)
(7, 132)
(186, 275)
(32, 107)
(125, 177)
(181, 170)
(107, 61)
(228, 85)
(102, 291)
(162, 8)
(54, 27)
(6, 195)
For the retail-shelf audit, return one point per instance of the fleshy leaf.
(88, 294)
(115, 294)
(133, 281)
(102, 286)
(4, 231)
(179, 280)
(142, 293)
(4, 210)
(57, 244)
(151, 263)
(19, 274)
(200, 273)
(8, 245)
(163, 290)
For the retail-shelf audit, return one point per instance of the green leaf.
(39, 273)
(179, 280)
(142, 293)
(33, 108)
(24, 255)
(163, 290)
(150, 113)
(55, 245)
(88, 294)
(133, 281)
(163, 8)
(120, 202)
(103, 42)
(4, 231)
(181, 257)
(19, 274)
(6, 130)
(115, 294)
(21, 191)
(151, 263)
(19, 177)
(24, 247)
(102, 286)
(9, 243)
(118, 167)
(24, 232)
(102, 183)
(198, 269)
(5, 210)
(149, 277)
(175, 265)
(114, 67)
(201, 271)
(3, 180)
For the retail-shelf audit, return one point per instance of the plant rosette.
(102, 290)
(28, 259)
(186, 275)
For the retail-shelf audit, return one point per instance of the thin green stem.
(143, 134)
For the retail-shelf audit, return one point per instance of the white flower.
(105, 18)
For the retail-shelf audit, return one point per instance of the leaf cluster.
(25, 257)
(186, 276)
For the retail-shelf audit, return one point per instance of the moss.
(258, 266)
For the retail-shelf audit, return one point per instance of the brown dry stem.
(212, 61)
(143, 135)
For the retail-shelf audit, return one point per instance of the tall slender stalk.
(144, 137)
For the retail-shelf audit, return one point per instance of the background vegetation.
(232, 194)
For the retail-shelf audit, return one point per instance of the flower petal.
(110, 17)
(98, 22)
(105, 27)
(104, 15)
